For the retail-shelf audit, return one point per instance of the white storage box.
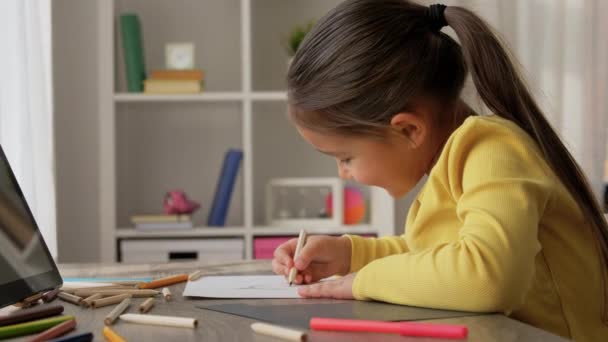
(172, 250)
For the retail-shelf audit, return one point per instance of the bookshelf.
(150, 144)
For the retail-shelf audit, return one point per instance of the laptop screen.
(23, 253)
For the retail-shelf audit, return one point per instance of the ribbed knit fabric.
(492, 230)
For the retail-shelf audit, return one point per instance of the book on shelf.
(133, 52)
(164, 225)
(135, 219)
(153, 86)
(224, 188)
(154, 222)
(172, 74)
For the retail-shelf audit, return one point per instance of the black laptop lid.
(26, 266)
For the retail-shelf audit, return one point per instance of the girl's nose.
(343, 172)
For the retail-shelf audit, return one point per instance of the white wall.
(75, 91)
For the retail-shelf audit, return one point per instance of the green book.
(32, 327)
(133, 52)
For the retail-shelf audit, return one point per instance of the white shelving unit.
(117, 107)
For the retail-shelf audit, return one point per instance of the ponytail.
(503, 91)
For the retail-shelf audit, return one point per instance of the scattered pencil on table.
(146, 305)
(167, 294)
(113, 292)
(32, 327)
(50, 296)
(168, 321)
(29, 301)
(30, 314)
(70, 298)
(111, 335)
(195, 275)
(74, 290)
(179, 278)
(294, 271)
(117, 311)
(279, 332)
(98, 303)
(87, 301)
(84, 337)
(56, 331)
(402, 328)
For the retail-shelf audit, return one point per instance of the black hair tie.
(435, 17)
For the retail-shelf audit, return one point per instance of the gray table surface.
(216, 326)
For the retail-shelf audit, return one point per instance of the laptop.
(26, 266)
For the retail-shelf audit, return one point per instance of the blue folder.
(224, 188)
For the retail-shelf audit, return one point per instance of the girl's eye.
(345, 161)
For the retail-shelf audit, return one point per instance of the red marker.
(402, 328)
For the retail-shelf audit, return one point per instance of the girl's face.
(391, 163)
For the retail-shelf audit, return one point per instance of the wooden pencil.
(117, 311)
(87, 301)
(55, 331)
(114, 292)
(70, 298)
(195, 275)
(169, 321)
(167, 294)
(146, 305)
(279, 332)
(301, 241)
(164, 281)
(98, 303)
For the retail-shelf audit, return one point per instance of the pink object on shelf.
(263, 247)
(177, 203)
(402, 328)
(354, 205)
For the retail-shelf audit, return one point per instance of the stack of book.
(174, 82)
(152, 222)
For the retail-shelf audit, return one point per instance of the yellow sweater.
(492, 230)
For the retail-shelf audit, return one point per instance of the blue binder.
(223, 191)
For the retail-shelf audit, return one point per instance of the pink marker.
(403, 328)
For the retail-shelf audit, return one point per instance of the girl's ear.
(410, 126)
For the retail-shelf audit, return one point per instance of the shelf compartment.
(202, 97)
(131, 233)
(362, 229)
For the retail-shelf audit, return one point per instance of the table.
(216, 326)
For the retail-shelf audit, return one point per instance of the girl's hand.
(341, 288)
(322, 256)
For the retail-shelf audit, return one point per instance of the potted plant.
(295, 38)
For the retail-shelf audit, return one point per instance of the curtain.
(26, 117)
(562, 46)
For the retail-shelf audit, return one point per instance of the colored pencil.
(85, 337)
(56, 331)
(301, 241)
(167, 294)
(70, 298)
(164, 281)
(30, 314)
(279, 332)
(118, 310)
(114, 292)
(111, 335)
(146, 305)
(32, 327)
(169, 321)
(98, 303)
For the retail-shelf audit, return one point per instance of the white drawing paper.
(259, 286)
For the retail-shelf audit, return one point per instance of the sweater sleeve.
(501, 192)
(365, 250)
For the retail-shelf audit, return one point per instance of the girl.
(506, 221)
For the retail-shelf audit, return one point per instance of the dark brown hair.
(367, 60)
